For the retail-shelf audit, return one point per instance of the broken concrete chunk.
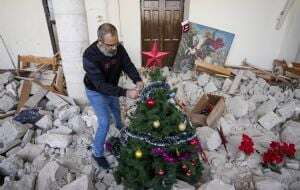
(269, 184)
(54, 140)
(7, 103)
(226, 85)
(238, 106)
(226, 125)
(203, 79)
(291, 133)
(11, 89)
(297, 93)
(68, 112)
(61, 130)
(181, 185)
(216, 184)
(45, 122)
(287, 110)
(209, 138)
(10, 131)
(55, 100)
(210, 87)
(10, 166)
(50, 175)
(236, 82)
(6, 78)
(266, 107)
(36, 98)
(82, 183)
(77, 124)
(30, 151)
(27, 182)
(270, 120)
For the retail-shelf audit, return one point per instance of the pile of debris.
(8, 92)
(266, 112)
(46, 144)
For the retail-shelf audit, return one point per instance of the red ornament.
(154, 57)
(194, 162)
(189, 173)
(184, 167)
(194, 141)
(150, 103)
(161, 172)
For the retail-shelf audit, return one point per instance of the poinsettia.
(276, 153)
(247, 145)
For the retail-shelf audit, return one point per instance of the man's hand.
(132, 93)
(139, 85)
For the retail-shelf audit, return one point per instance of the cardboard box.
(218, 103)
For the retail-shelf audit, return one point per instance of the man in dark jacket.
(103, 62)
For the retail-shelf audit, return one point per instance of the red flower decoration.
(246, 145)
(277, 152)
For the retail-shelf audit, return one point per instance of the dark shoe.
(102, 162)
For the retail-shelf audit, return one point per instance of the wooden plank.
(210, 68)
(25, 91)
(38, 60)
(59, 81)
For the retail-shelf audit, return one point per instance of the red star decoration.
(154, 57)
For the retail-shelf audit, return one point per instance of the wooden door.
(161, 21)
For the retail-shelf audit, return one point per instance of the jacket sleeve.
(129, 68)
(96, 76)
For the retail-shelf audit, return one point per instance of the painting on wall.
(202, 42)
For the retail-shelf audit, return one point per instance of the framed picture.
(202, 42)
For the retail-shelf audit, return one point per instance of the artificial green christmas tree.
(160, 144)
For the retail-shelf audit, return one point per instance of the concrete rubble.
(53, 152)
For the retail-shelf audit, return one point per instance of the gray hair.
(106, 28)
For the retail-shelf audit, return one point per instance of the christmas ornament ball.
(150, 103)
(182, 126)
(156, 124)
(161, 172)
(138, 154)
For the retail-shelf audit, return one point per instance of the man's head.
(108, 39)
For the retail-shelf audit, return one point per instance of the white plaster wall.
(290, 46)
(298, 55)
(96, 15)
(131, 29)
(253, 22)
(24, 28)
(72, 29)
(125, 15)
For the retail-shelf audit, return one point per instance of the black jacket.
(103, 72)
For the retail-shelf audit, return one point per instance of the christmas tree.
(160, 144)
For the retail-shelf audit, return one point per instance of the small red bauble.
(194, 162)
(150, 103)
(189, 173)
(184, 167)
(194, 142)
(161, 172)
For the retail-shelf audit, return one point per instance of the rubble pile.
(46, 146)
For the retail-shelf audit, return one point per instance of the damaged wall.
(253, 22)
(24, 29)
(127, 22)
(71, 22)
(291, 43)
